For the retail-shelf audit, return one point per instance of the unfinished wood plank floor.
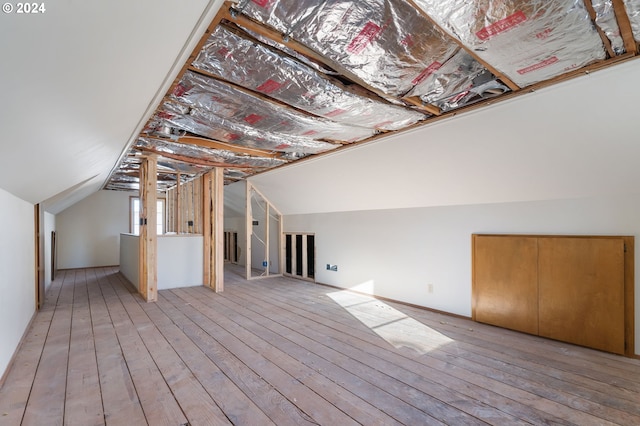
(287, 352)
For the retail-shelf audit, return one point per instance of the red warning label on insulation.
(502, 25)
(366, 36)
(539, 65)
(269, 86)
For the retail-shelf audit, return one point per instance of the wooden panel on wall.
(578, 289)
(581, 285)
(505, 282)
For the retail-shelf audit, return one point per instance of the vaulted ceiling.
(272, 82)
(90, 87)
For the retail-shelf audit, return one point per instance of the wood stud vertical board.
(177, 206)
(148, 261)
(268, 242)
(213, 229)
(184, 204)
(577, 289)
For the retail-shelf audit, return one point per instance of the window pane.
(160, 217)
(135, 216)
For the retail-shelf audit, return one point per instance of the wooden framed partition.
(578, 289)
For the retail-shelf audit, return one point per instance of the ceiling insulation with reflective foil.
(272, 82)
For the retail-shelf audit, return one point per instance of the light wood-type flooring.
(287, 352)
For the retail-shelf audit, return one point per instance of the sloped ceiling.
(78, 81)
(90, 86)
(276, 81)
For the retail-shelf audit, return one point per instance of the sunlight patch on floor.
(397, 328)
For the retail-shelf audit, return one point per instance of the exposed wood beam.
(259, 95)
(626, 32)
(194, 160)
(208, 143)
(178, 219)
(213, 229)
(148, 244)
(603, 36)
(269, 33)
(417, 102)
(506, 80)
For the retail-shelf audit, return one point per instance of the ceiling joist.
(630, 45)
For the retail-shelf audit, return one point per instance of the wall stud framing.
(213, 229)
(268, 241)
(148, 242)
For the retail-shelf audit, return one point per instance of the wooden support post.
(148, 264)
(213, 229)
(206, 228)
(177, 215)
(249, 230)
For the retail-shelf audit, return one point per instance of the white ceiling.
(78, 82)
(575, 139)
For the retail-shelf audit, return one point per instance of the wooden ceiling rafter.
(245, 22)
(192, 160)
(630, 44)
(223, 146)
(506, 80)
(605, 40)
(250, 92)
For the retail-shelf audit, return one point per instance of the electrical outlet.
(430, 288)
(332, 267)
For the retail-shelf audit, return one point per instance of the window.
(134, 217)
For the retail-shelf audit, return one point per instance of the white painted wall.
(17, 277)
(180, 261)
(89, 231)
(397, 253)
(49, 227)
(129, 255)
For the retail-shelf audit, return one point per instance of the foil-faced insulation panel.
(282, 15)
(460, 81)
(250, 64)
(606, 20)
(204, 123)
(633, 12)
(386, 43)
(228, 102)
(529, 41)
(322, 68)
